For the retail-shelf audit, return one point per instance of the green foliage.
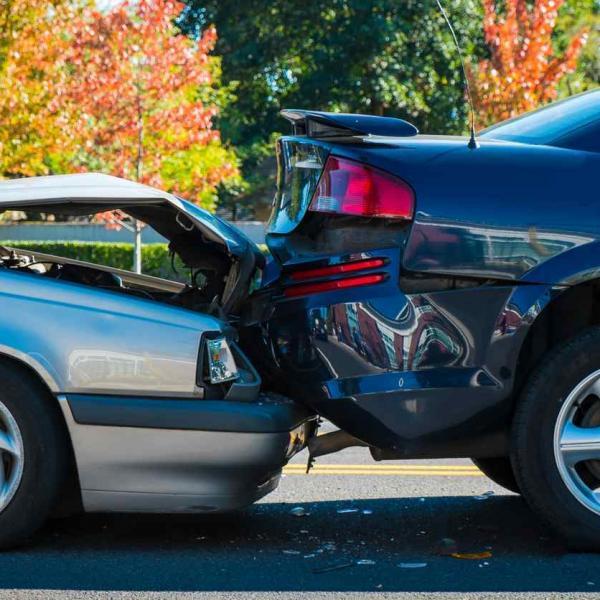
(575, 15)
(155, 257)
(388, 57)
(381, 57)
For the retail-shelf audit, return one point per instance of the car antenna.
(473, 145)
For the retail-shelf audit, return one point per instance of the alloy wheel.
(577, 442)
(11, 456)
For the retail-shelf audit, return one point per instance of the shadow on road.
(267, 548)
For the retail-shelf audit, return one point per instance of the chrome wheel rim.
(11, 457)
(577, 442)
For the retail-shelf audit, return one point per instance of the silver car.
(125, 392)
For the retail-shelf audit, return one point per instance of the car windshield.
(551, 122)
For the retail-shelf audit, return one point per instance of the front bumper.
(171, 455)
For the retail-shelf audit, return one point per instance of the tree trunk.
(137, 247)
(137, 240)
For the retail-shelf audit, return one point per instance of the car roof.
(72, 188)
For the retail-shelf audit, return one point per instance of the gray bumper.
(172, 455)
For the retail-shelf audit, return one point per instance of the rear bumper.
(414, 375)
(161, 455)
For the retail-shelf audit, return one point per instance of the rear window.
(557, 121)
(299, 167)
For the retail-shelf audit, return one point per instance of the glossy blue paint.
(502, 231)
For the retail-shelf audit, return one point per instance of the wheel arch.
(566, 315)
(32, 365)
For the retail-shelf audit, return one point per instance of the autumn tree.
(142, 93)
(523, 70)
(33, 130)
(142, 96)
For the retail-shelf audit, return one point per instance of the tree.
(372, 56)
(34, 132)
(140, 92)
(523, 70)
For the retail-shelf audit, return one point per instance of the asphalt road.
(400, 512)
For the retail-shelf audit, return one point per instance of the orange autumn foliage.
(523, 70)
(137, 86)
(32, 72)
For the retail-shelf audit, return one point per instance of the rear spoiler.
(317, 124)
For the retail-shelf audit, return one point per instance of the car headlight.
(220, 361)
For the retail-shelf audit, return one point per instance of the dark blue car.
(435, 300)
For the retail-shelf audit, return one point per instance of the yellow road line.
(406, 470)
(388, 467)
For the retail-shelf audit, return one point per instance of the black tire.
(45, 454)
(532, 444)
(500, 471)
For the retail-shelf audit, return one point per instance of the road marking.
(406, 470)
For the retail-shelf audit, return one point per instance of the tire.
(500, 471)
(33, 454)
(551, 415)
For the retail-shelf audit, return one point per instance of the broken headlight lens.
(221, 364)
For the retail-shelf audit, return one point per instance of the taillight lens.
(347, 187)
(341, 269)
(308, 289)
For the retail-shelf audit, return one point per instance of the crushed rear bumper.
(172, 455)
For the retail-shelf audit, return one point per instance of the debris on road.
(447, 547)
(332, 567)
(484, 496)
(471, 555)
(412, 565)
(299, 511)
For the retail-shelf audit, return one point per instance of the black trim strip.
(268, 416)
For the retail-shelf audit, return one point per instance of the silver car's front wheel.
(12, 456)
(577, 442)
(34, 457)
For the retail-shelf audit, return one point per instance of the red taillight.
(328, 286)
(350, 267)
(351, 188)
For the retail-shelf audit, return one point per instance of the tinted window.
(565, 121)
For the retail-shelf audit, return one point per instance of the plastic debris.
(332, 567)
(484, 496)
(365, 561)
(290, 551)
(471, 555)
(309, 555)
(412, 565)
(298, 511)
(346, 511)
(367, 511)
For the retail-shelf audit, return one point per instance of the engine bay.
(199, 294)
